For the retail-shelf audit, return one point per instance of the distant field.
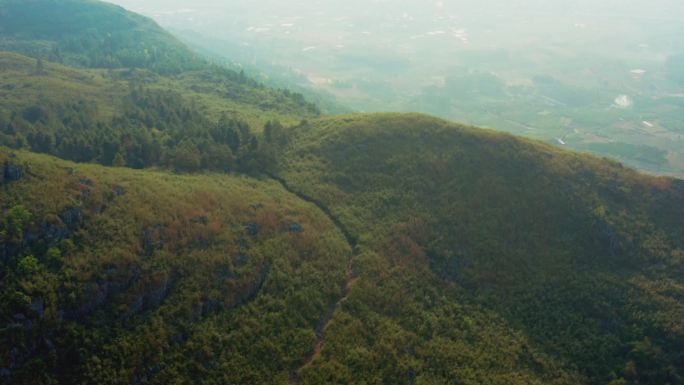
(606, 72)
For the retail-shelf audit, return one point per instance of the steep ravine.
(344, 291)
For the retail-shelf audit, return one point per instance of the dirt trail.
(344, 292)
(323, 326)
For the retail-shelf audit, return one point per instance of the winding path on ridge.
(344, 292)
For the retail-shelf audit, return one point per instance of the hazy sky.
(591, 74)
(308, 20)
(660, 9)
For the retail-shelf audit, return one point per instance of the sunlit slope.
(213, 92)
(97, 80)
(90, 33)
(117, 276)
(493, 259)
(91, 115)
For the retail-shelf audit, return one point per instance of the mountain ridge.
(602, 230)
(91, 33)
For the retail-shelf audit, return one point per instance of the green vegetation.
(117, 276)
(230, 235)
(490, 259)
(95, 116)
(156, 99)
(92, 34)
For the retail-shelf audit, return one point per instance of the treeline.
(115, 52)
(153, 129)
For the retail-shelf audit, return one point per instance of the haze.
(605, 77)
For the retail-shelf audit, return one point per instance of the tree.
(186, 157)
(40, 67)
(119, 160)
(273, 132)
(28, 265)
(217, 157)
(16, 218)
(41, 141)
(227, 131)
(53, 257)
(268, 132)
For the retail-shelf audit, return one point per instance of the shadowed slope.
(119, 276)
(560, 254)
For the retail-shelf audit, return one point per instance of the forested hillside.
(140, 98)
(167, 221)
(201, 120)
(117, 276)
(491, 259)
(89, 33)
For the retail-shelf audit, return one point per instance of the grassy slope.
(98, 35)
(153, 277)
(493, 259)
(21, 87)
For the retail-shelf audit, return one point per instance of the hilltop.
(89, 33)
(472, 238)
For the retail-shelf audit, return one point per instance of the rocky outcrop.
(678, 184)
(142, 293)
(155, 294)
(10, 172)
(617, 242)
(207, 306)
(252, 229)
(295, 227)
(202, 220)
(150, 296)
(95, 295)
(38, 307)
(71, 217)
(118, 191)
(46, 231)
(241, 260)
(253, 289)
(152, 239)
